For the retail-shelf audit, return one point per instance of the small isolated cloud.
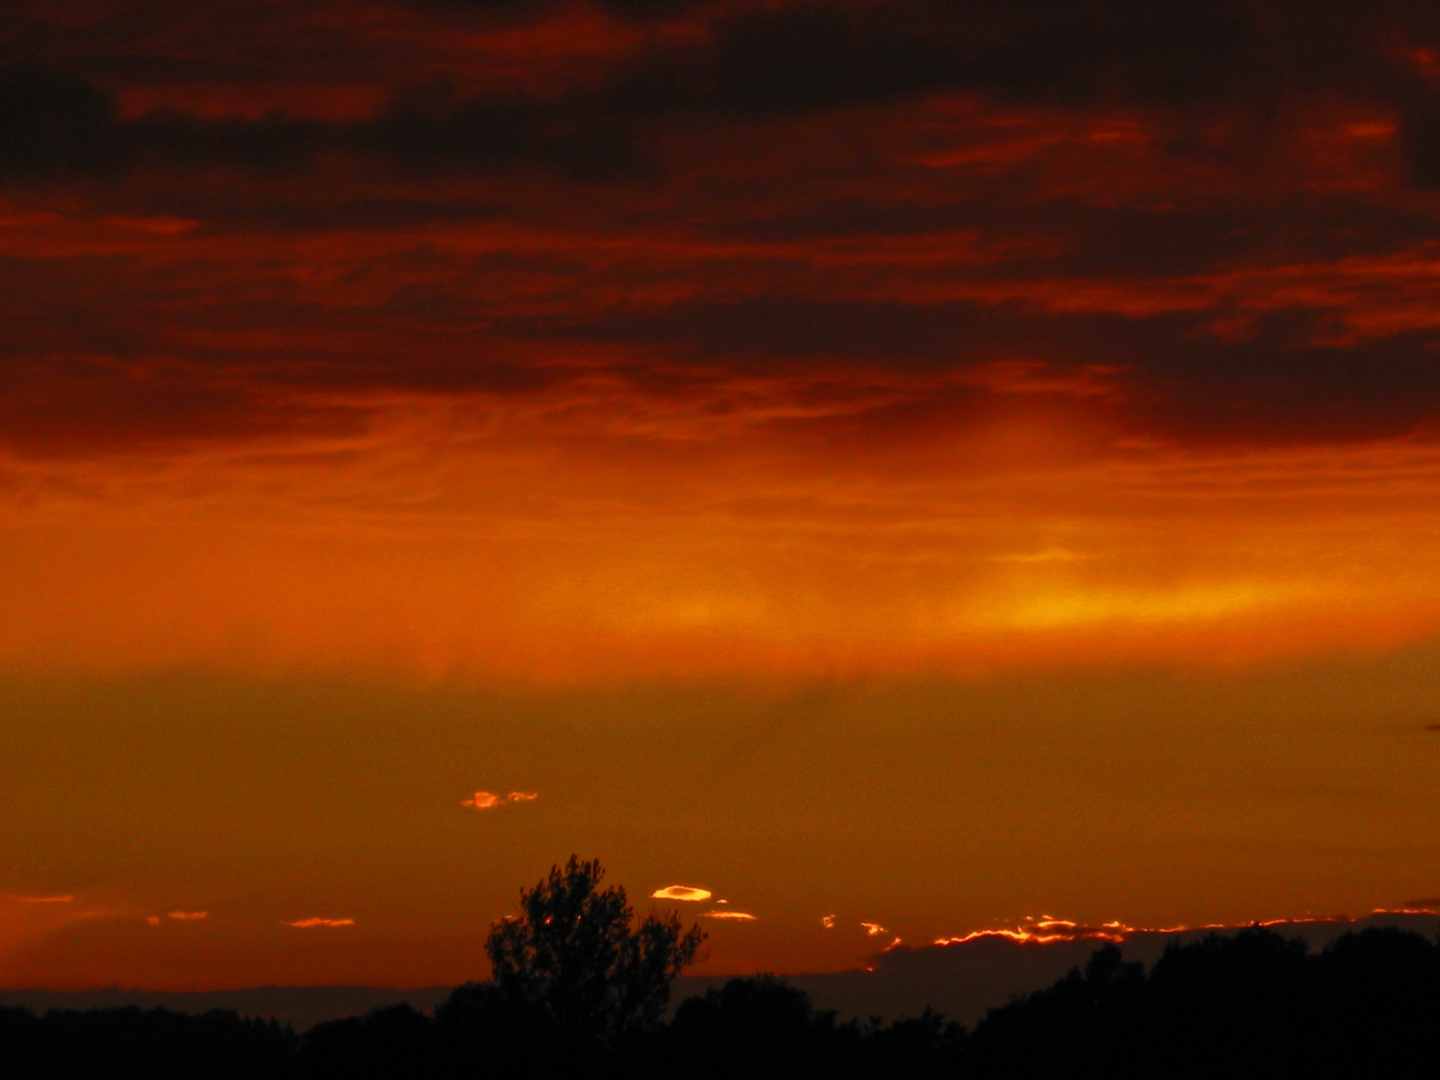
(827, 921)
(738, 916)
(682, 892)
(188, 916)
(66, 899)
(315, 920)
(874, 929)
(153, 920)
(488, 800)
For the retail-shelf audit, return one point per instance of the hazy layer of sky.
(918, 463)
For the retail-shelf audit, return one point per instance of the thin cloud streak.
(316, 921)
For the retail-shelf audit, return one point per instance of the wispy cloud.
(827, 921)
(681, 892)
(737, 916)
(65, 899)
(315, 920)
(189, 916)
(488, 800)
(874, 929)
(1047, 929)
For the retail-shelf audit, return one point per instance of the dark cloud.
(720, 264)
(57, 124)
(1239, 59)
(1236, 62)
(779, 59)
(434, 128)
(1174, 377)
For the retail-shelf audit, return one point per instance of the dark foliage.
(131, 1044)
(1249, 1005)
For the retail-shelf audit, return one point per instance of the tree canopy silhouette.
(576, 960)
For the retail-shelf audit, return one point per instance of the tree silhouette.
(575, 961)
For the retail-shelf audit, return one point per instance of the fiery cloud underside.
(681, 892)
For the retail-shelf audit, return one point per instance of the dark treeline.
(1253, 1004)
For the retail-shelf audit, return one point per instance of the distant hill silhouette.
(300, 1007)
(961, 981)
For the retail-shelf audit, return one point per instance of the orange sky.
(925, 467)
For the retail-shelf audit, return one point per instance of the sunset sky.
(899, 468)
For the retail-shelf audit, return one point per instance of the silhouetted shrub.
(577, 963)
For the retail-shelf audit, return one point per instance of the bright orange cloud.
(486, 800)
(874, 929)
(738, 916)
(827, 921)
(681, 892)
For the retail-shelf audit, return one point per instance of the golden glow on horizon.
(682, 892)
(1046, 930)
